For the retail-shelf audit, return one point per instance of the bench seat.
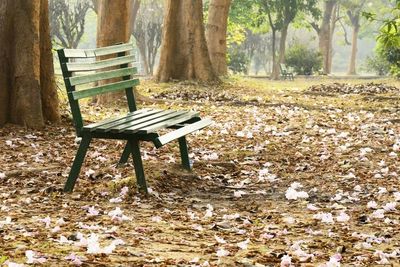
(143, 125)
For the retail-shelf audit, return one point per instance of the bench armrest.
(166, 138)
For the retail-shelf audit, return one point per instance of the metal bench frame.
(134, 127)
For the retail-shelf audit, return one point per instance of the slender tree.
(354, 9)
(147, 33)
(281, 14)
(28, 94)
(184, 52)
(325, 33)
(67, 21)
(216, 30)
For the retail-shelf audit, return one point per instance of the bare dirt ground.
(285, 177)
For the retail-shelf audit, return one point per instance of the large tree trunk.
(324, 35)
(216, 34)
(28, 94)
(352, 64)
(184, 53)
(113, 27)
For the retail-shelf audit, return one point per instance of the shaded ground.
(282, 176)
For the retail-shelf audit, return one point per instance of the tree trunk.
(134, 7)
(324, 35)
(143, 54)
(113, 27)
(282, 43)
(184, 53)
(352, 65)
(28, 94)
(275, 66)
(334, 19)
(216, 34)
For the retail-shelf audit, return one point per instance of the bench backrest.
(283, 68)
(104, 65)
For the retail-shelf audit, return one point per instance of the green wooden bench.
(285, 73)
(135, 126)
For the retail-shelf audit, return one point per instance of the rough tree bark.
(28, 94)
(184, 52)
(216, 29)
(113, 26)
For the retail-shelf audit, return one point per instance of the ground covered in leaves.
(288, 175)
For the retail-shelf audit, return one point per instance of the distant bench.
(135, 126)
(285, 73)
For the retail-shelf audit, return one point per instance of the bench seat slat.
(111, 87)
(122, 127)
(168, 123)
(97, 65)
(166, 138)
(121, 124)
(76, 80)
(136, 128)
(109, 120)
(125, 120)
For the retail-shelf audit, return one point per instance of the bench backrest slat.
(77, 80)
(108, 88)
(91, 66)
(102, 51)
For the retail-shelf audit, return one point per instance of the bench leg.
(184, 153)
(125, 155)
(138, 164)
(76, 166)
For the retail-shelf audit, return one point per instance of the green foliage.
(238, 61)
(303, 59)
(377, 64)
(3, 259)
(389, 38)
(281, 13)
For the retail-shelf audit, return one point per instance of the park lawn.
(282, 173)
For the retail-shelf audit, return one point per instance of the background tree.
(354, 10)
(270, 7)
(28, 94)
(281, 14)
(247, 37)
(289, 9)
(184, 53)
(148, 31)
(325, 33)
(67, 21)
(113, 26)
(216, 30)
